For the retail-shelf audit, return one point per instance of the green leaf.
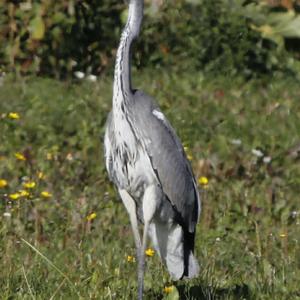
(37, 28)
(286, 24)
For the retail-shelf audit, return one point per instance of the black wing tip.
(189, 260)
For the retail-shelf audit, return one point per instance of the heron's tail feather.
(175, 250)
(193, 267)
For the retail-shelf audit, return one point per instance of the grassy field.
(64, 232)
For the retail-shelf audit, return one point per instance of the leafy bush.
(56, 37)
(219, 36)
(213, 37)
(222, 36)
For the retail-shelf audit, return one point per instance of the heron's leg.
(150, 203)
(130, 206)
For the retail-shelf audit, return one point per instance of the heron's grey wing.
(168, 158)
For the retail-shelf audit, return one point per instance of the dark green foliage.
(213, 37)
(222, 36)
(55, 37)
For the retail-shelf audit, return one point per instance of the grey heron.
(147, 163)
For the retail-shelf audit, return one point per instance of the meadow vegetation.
(244, 37)
(64, 234)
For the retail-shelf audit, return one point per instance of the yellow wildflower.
(24, 193)
(130, 258)
(203, 180)
(189, 157)
(20, 156)
(168, 289)
(49, 156)
(149, 252)
(41, 175)
(14, 196)
(3, 183)
(46, 194)
(282, 235)
(29, 185)
(91, 216)
(14, 115)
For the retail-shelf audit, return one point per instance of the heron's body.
(147, 163)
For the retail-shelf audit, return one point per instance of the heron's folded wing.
(168, 158)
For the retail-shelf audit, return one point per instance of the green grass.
(248, 236)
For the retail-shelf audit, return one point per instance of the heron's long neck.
(122, 78)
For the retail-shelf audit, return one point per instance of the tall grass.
(68, 236)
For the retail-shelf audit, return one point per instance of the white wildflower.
(92, 78)
(294, 213)
(236, 142)
(267, 159)
(257, 152)
(69, 157)
(79, 74)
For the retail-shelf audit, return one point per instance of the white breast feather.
(124, 134)
(107, 148)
